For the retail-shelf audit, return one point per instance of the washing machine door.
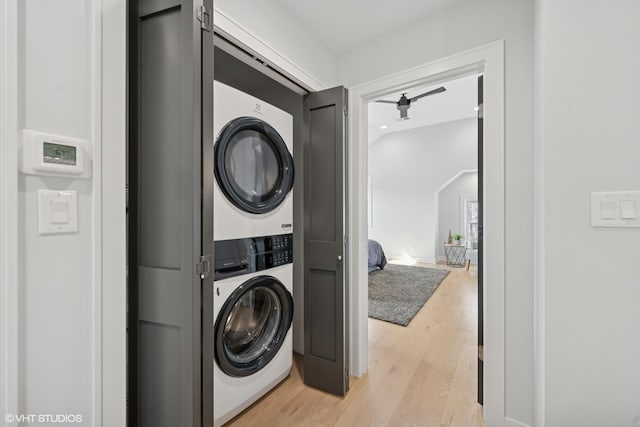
(253, 166)
(252, 326)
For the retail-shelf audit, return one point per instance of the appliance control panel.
(282, 249)
(243, 256)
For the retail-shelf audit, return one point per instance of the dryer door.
(252, 326)
(253, 166)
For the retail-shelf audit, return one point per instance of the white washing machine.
(253, 314)
(253, 166)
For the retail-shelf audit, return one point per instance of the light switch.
(608, 209)
(627, 209)
(615, 209)
(57, 212)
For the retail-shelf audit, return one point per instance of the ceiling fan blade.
(386, 102)
(431, 92)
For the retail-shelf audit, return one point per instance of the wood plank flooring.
(420, 375)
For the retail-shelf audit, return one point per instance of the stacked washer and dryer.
(253, 249)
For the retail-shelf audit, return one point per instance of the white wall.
(58, 360)
(450, 208)
(589, 131)
(406, 169)
(56, 272)
(468, 24)
(282, 39)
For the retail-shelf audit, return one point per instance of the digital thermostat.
(54, 155)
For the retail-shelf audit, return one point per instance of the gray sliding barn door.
(170, 119)
(326, 339)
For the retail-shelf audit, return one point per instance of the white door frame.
(488, 59)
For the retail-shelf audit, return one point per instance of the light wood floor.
(420, 375)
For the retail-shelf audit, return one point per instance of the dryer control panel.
(243, 256)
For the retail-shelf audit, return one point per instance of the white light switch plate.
(615, 209)
(57, 212)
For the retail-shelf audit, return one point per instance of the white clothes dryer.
(253, 166)
(252, 338)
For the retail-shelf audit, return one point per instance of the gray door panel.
(149, 7)
(324, 292)
(160, 390)
(325, 288)
(162, 294)
(159, 179)
(167, 297)
(207, 320)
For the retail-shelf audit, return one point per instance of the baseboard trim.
(417, 259)
(510, 422)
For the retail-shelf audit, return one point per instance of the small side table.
(456, 255)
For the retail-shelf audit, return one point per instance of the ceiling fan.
(404, 103)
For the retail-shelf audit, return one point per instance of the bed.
(377, 259)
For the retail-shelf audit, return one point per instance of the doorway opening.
(412, 161)
(422, 179)
(489, 61)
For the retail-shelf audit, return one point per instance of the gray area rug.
(398, 292)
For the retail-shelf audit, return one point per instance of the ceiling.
(342, 25)
(457, 102)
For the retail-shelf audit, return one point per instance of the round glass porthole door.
(253, 166)
(252, 325)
